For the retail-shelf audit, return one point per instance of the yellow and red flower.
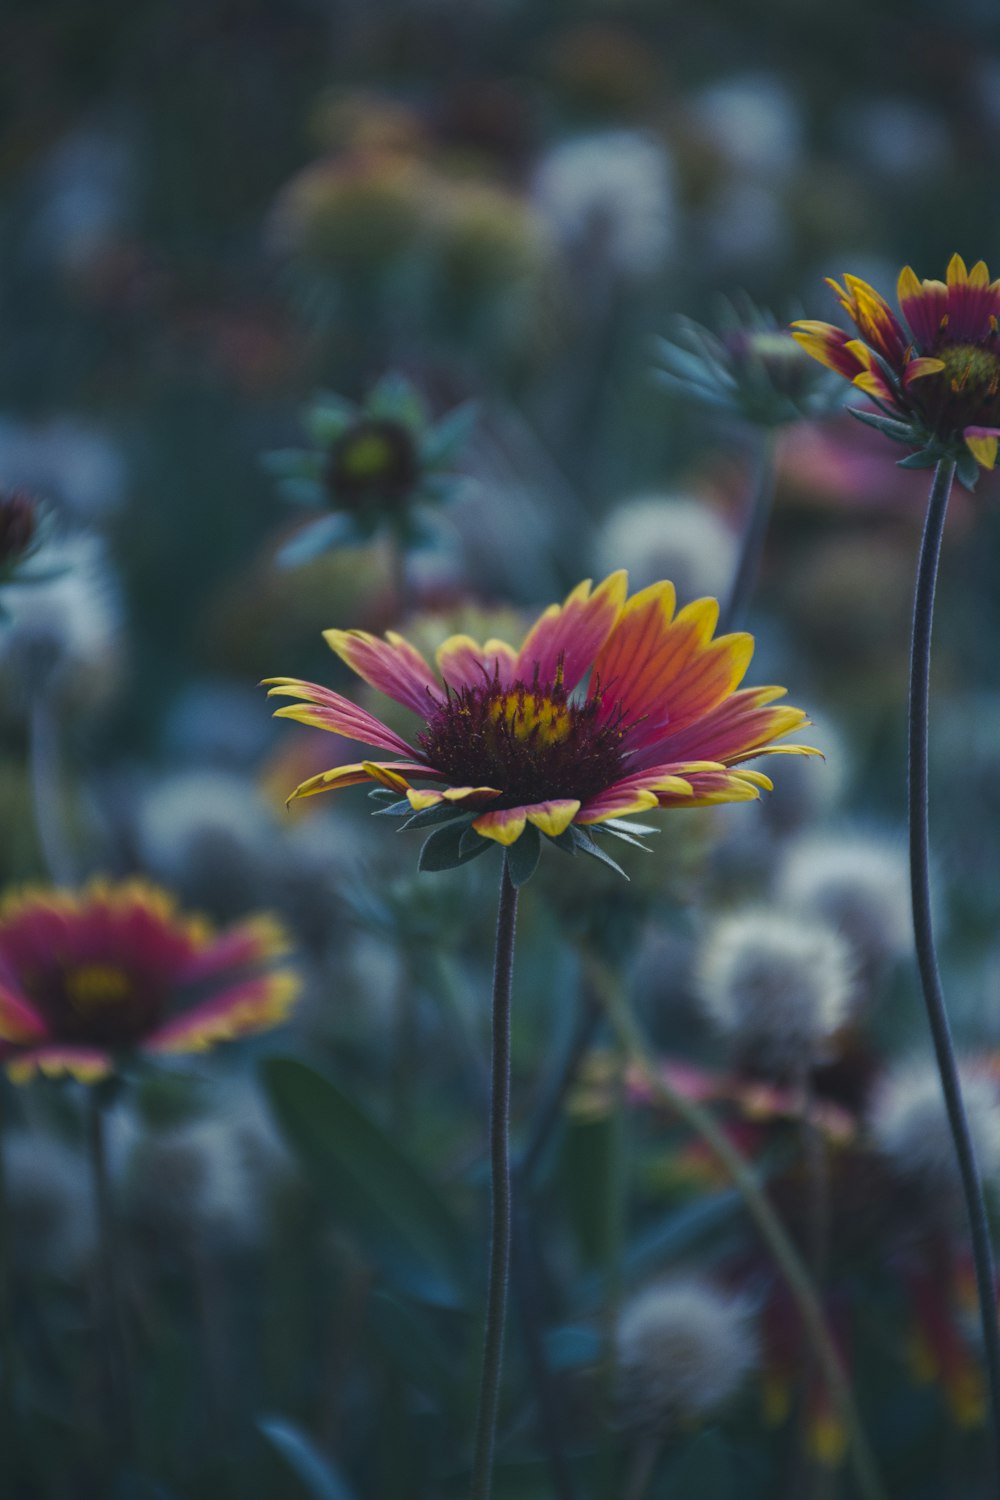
(89, 977)
(613, 705)
(935, 374)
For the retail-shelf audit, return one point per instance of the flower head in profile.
(611, 706)
(751, 367)
(377, 465)
(934, 374)
(88, 978)
(24, 527)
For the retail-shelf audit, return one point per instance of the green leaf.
(367, 1182)
(318, 1477)
(318, 537)
(522, 856)
(412, 1342)
(443, 851)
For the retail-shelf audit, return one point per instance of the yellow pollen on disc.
(91, 987)
(970, 367)
(367, 455)
(532, 716)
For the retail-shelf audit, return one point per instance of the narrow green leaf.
(445, 440)
(368, 1183)
(320, 536)
(318, 1477)
(441, 812)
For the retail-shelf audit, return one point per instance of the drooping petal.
(572, 633)
(664, 671)
(924, 305)
(871, 377)
(553, 817)
(710, 787)
(463, 663)
(982, 444)
(85, 1064)
(324, 709)
(392, 665)
(254, 1004)
(632, 794)
(392, 773)
(459, 796)
(504, 826)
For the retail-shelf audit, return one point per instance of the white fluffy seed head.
(859, 884)
(909, 1126)
(777, 986)
(669, 536)
(684, 1347)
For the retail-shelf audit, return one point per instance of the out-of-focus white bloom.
(609, 198)
(776, 985)
(215, 721)
(86, 190)
(210, 1178)
(857, 883)
(909, 1125)
(897, 137)
(744, 223)
(753, 122)
(669, 536)
(63, 635)
(684, 1348)
(209, 834)
(65, 461)
(51, 1203)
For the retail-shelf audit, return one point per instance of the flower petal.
(504, 826)
(392, 665)
(247, 944)
(389, 773)
(553, 817)
(255, 1004)
(972, 302)
(572, 633)
(19, 1021)
(324, 709)
(736, 728)
(86, 1064)
(827, 344)
(463, 663)
(459, 795)
(982, 444)
(873, 318)
(662, 671)
(924, 306)
(916, 369)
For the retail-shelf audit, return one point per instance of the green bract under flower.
(751, 367)
(381, 465)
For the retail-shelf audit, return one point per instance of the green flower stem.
(937, 1015)
(500, 1226)
(119, 1412)
(771, 1230)
(752, 541)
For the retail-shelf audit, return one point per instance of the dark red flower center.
(376, 460)
(533, 742)
(99, 1002)
(965, 393)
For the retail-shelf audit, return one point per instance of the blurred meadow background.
(475, 222)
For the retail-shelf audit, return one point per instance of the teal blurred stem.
(500, 1224)
(752, 540)
(786, 1257)
(117, 1392)
(930, 978)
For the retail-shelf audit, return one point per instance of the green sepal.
(395, 809)
(329, 418)
(967, 471)
(522, 856)
(564, 842)
(588, 845)
(336, 530)
(626, 838)
(640, 830)
(429, 817)
(397, 399)
(445, 440)
(442, 850)
(298, 490)
(471, 839)
(900, 432)
(925, 459)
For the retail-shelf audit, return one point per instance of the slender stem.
(119, 1414)
(752, 541)
(769, 1226)
(500, 1225)
(46, 790)
(526, 1292)
(8, 1425)
(937, 1015)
